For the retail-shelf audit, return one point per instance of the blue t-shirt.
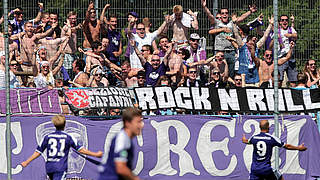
(152, 75)
(58, 145)
(262, 151)
(114, 45)
(121, 150)
(247, 66)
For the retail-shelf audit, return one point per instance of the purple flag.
(171, 147)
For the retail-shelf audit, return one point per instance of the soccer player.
(117, 164)
(58, 145)
(262, 152)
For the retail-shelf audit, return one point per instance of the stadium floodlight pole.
(7, 78)
(215, 7)
(275, 75)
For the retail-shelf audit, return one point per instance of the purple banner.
(171, 147)
(31, 101)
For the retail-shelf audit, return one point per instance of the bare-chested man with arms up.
(181, 22)
(91, 27)
(266, 66)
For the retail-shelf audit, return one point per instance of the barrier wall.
(171, 147)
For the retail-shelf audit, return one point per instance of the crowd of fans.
(43, 53)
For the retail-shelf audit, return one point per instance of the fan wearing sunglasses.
(286, 35)
(216, 79)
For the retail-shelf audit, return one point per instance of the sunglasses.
(194, 40)
(193, 72)
(224, 12)
(219, 17)
(216, 73)
(237, 79)
(285, 20)
(143, 50)
(45, 66)
(155, 60)
(98, 74)
(268, 55)
(141, 29)
(140, 77)
(312, 64)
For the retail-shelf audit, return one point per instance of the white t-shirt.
(43, 81)
(286, 44)
(14, 82)
(147, 40)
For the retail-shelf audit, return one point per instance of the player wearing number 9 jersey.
(58, 144)
(262, 151)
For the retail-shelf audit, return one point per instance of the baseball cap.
(194, 36)
(42, 63)
(2, 53)
(134, 14)
(141, 74)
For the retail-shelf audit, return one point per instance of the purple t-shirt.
(58, 145)
(196, 56)
(162, 53)
(152, 75)
(114, 45)
(127, 54)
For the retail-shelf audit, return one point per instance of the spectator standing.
(266, 66)
(132, 21)
(247, 67)
(181, 23)
(92, 27)
(71, 48)
(286, 35)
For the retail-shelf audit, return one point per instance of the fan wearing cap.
(141, 78)
(91, 27)
(14, 82)
(181, 22)
(97, 79)
(142, 38)
(197, 53)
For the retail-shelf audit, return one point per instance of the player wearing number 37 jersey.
(58, 144)
(262, 151)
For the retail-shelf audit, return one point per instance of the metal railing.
(307, 16)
